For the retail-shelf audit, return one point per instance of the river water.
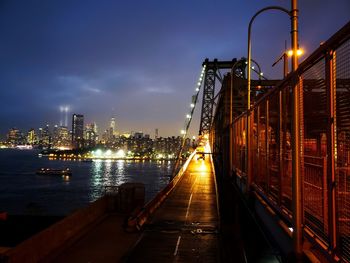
(22, 191)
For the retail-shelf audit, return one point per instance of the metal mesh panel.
(286, 184)
(239, 145)
(255, 149)
(262, 145)
(273, 168)
(343, 147)
(242, 143)
(314, 144)
(235, 149)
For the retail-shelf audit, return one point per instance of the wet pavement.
(185, 227)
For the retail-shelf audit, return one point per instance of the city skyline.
(112, 129)
(138, 62)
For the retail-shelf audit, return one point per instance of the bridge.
(237, 198)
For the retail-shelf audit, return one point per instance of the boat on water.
(50, 171)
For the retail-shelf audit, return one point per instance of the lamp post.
(249, 60)
(296, 180)
(296, 147)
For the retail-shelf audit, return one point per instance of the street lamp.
(296, 180)
(249, 64)
(285, 55)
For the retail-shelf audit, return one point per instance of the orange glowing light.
(299, 52)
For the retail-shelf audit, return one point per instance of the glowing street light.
(287, 54)
(299, 52)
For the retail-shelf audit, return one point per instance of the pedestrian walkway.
(184, 228)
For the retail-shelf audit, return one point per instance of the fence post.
(324, 194)
(267, 147)
(331, 145)
(282, 141)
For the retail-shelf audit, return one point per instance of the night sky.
(135, 60)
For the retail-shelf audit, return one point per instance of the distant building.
(61, 138)
(14, 136)
(44, 137)
(32, 137)
(77, 131)
(140, 145)
(55, 136)
(112, 127)
(91, 135)
(167, 146)
(138, 135)
(111, 132)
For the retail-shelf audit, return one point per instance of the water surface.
(22, 191)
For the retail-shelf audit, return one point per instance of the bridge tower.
(211, 74)
(208, 97)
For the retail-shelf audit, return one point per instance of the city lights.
(120, 154)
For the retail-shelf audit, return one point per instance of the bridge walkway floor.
(185, 227)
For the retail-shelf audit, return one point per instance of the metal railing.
(324, 83)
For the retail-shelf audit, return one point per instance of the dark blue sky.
(135, 60)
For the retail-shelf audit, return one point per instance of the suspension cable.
(188, 119)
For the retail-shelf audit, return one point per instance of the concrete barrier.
(130, 196)
(51, 240)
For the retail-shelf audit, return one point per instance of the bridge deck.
(184, 228)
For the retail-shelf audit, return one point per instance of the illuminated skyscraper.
(90, 134)
(64, 138)
(44, 136)
(78, 131)
(112, 130)
(55, 137)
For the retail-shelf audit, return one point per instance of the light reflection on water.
(20, 187)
